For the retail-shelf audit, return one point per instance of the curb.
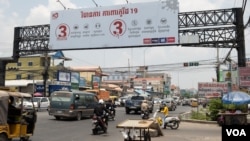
(198, 121)
(185, 117)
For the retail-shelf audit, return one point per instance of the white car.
(27, 104)
(41, 103)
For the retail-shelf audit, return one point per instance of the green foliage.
(198, 115)
(215, 105)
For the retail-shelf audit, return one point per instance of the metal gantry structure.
(223, 28)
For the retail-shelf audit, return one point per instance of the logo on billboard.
(117, 28)
(62, 32)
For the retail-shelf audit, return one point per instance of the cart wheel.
(24, 138)
(129, 139)
(3, 137)
(94, 131)
(147, 137)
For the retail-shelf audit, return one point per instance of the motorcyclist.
(111, 106)
(165, 113)
(144, 106)
(100, 111)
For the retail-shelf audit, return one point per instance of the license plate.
(59, 112)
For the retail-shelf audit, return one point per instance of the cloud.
(38, 15)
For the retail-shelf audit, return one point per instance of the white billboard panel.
(244, 75)
(189, 39)
(138, 24)
(206, 88)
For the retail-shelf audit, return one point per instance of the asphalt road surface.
(50, 129)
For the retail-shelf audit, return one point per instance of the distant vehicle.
(134, 104)
(170, 103)
(185, 101)
(41, 103)
(177, 99)
(122, 100)
(72, 104)
(157, 100)
(194, 102)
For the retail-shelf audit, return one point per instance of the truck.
(100, 93)
(134, 103)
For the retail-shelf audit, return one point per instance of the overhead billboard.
(129, 25)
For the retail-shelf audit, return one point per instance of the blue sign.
(53, 88)
(39, 88)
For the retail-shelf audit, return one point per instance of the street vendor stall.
(136, 130)
(237, 117)
(234, 118)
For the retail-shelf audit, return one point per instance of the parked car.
(170, 103)
(41, 103)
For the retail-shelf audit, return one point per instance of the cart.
(135, 130)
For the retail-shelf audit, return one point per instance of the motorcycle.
(172, 122)
(99, 124)
(111, 115)
(145, 114)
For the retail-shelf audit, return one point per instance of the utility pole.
(45, 73)
(218, 66)
(2, 72)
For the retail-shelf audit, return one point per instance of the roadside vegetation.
(215, 106)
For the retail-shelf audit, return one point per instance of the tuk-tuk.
(194, 102)
(17, 120)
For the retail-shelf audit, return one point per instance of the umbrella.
(236, 97)
(37, 94)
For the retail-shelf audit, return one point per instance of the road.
(49, 129)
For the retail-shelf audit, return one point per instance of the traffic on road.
(48, 128)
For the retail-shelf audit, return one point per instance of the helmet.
(101, 101)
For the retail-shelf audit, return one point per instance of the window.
(30, 63)
(29, 76)
(19, 64)
(54, 75)
(18, 76)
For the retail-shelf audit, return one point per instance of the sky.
(16, 13)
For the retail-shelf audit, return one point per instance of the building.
(28, 73)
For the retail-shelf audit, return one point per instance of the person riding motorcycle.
(111, 106)
(144, 106)
(100, 111)
(165, 112)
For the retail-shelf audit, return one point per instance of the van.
(72, 104)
